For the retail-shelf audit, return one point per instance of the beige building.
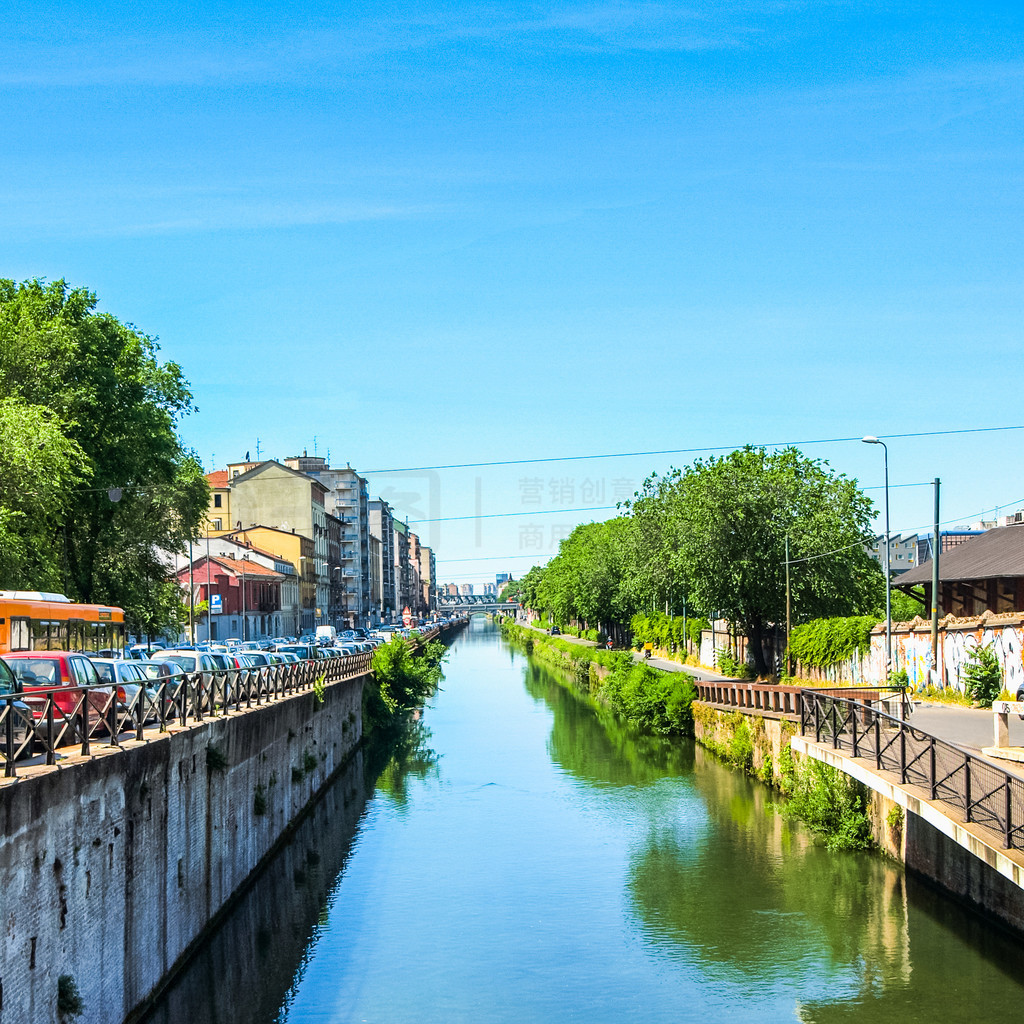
(270, 494)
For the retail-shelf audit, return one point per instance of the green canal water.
(526, 859)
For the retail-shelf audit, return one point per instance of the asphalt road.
(971, 728)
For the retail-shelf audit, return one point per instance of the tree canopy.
(714, 535)
(89, 415)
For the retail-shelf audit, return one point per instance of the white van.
(326, 634)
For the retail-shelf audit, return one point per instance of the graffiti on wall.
(912, 651)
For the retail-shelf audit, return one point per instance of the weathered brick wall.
(113, 865)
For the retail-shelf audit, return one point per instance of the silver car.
(19, 714)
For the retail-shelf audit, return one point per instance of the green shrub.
(215, 759)
(69, 999)
(664, 630)
(741, 746)
(831, 804)
(824, 642)
(729, 666)
(653, 701)
(402, 678)
(983, 675)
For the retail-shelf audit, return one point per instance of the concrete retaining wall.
(113, 866)
(936, 844)
(922, 834)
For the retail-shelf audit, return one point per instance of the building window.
(216, 524)
(216, 500)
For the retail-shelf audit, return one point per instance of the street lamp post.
(244, 637)
(888, 589)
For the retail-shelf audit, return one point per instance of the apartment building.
(275, 495)
(347, 499)
(382, 527)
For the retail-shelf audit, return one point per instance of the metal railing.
(776, 698)
(988, 796)
(782, 700)
(69, 716)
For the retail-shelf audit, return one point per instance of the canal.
(525, 859)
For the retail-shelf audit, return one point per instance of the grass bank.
(652, 700)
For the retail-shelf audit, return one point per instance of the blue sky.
(423, 234)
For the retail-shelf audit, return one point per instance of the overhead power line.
(682, 451)
(509, 515)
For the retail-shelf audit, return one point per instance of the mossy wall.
(761, 746)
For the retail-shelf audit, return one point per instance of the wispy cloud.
(141, 212)
(103, 57)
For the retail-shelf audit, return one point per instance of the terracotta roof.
(995, 554)
(240, 565)
(218, 478)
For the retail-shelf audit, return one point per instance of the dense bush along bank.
(654, 701)
(404, 675)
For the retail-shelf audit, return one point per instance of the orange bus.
(34, 621)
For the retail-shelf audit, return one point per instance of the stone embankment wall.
(731, 733)
(924, 837)
(113, 866)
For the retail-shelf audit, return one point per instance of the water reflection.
(725, 887)
(752, 896)
(563, 867)
(403, 756)
(595, 747)
(245, 970)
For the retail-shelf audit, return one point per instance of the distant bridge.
(468, 603)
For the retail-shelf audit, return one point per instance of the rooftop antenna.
(213, 461)
(257, 449)
(314, 445)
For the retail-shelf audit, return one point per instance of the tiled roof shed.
(995, 554)
(985, 573)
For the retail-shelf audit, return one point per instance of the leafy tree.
(724, 524)
(109, 410)
(38, 468)
(905, 606)
(583, 582)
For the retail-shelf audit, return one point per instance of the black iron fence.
(776, 698)
(988, 796)
(61, 717)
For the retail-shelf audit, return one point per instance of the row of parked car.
(38, 676)
(119, 678)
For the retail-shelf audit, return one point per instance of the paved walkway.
(970, 728)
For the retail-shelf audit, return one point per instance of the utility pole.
(209, 588)
(936, 545)
(191, 597)
(789, 665)
(888, 575)
(244, 637)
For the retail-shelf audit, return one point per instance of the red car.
(63, 673)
